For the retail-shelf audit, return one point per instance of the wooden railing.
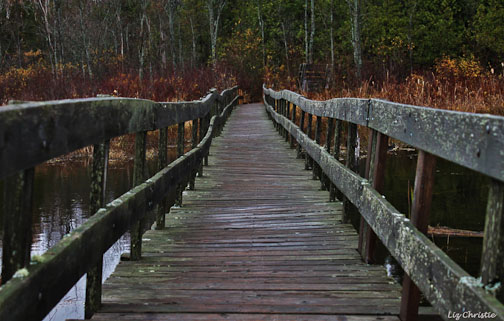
(32, 133)
(471, 140)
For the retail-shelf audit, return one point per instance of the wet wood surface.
(255, 240)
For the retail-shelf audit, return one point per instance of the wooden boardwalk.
(256, 240)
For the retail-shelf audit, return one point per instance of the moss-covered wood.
(35, 291)
(492, 258)
(97, 201)
(17, 206)
(34, 132)
(445, 284)
(475, 141)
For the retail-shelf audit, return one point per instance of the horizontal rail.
(33, 292)
(447, 286)
(475, 141)
(34, 132)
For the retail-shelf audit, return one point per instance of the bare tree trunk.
(214, 15)
(286, 47)
(312, 31)
(163, 43)
(306, 32)
(171, 17)
(355, 13)
(193, 56)
(181, 57)
(331, 29)
(261, 26)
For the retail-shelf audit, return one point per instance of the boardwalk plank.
(256, 240)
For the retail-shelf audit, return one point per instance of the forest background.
(438, 53)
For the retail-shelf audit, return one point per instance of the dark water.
(459, 201)
(62, 196)
(61, 204)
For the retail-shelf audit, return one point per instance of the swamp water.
(61, 202)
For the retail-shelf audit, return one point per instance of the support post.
(378, 185)
(316, 171)
(163, 207)
(138, 177)
(180, 152)
(17, 221)
(492, 258)
(351, 164)
(201, 136)
(420, 213)
(371, 153)
(308, 160)
(301, 126)
(333, 191)
(193, 145)
(97, 201)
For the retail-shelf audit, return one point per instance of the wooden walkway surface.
(256, 240)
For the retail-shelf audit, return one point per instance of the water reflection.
(459, 201)
(61, 202)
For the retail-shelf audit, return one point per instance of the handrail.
(446, 285)
(35, 290)
(475, 141)
(34, 132)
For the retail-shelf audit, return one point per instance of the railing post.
(138, 177)
(208, 117)
(333, 191)
(293, 118)
(351, 164)
(163, 207)
(97, 201)
(318, 129)
(17, 221)
(201, 136)
(371, 155)
(420, 213)
(301, 126)
(308, 160)
(194, 144)
(492, 258)
(180, 152)
(378, 185)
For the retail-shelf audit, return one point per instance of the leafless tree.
(355, 7)
(215, 8)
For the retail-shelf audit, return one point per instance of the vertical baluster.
(326, 182)
(378, 185)
(293, 118)
(207, 126)
(492, 258)
(97, 201)
(371, 154)
(308, 160)
(351, 164)
(318, 129)
(180, 152)
(201, 136)
(194, 144)
(420, 213)
(138, 178)
(17, 221)
(333, 191)
(301, 126)
(163, 208)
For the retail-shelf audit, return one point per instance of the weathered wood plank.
(274, 245)
(447, 286)
(34, 132)
(33, 294)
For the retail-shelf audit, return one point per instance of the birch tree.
(215, 8)
(355, 7)
(261, 26)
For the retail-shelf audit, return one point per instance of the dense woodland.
(442, 53)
